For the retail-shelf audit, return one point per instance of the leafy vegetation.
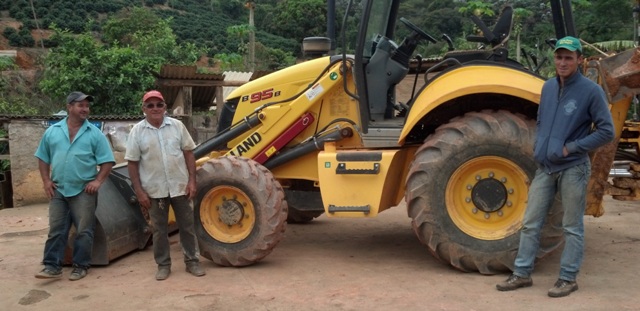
(7, 63)
(16, 95)
(20, 38)
(137, 44)
(298, 19)
(110, 48)
(204, 23)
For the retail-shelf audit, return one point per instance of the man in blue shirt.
(573, 119)
(68, 155)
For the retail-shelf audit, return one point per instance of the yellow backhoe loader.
(328, 136)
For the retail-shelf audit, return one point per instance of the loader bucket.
(120, 225)
(620, 79)
(620, 75)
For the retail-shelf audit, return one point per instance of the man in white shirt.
(163, 173)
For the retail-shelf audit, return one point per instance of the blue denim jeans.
(79, 210)
(159, 215)
(571, 184)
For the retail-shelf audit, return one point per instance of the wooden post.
(252, 36)
(188, 106)
(219, 101)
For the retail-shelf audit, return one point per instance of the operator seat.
(500, 33)
(495, 38)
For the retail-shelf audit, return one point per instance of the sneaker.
(195, 269)
(77, 273)
(163, 273)
(48, 273)
(563, 288)
(514, 282)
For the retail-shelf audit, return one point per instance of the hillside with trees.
(111, 48)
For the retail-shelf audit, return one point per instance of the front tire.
(240, 211)
(467, 191)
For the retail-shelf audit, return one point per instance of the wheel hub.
(231, 212)
(489, 195)
(486, 197)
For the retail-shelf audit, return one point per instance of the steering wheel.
(415, 28)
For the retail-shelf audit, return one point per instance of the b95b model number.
(262, 95)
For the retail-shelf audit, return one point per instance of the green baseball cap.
(570, 43)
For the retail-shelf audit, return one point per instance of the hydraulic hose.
(215, 143)
(317, 143)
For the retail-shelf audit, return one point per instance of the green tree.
(240, 33)
(16, 98)
(480, 9)
(298, 19)
(231, 61)
(520, 15)
(273, 59)
(477, 8)
(150, 35)
(604, 20)
(122, 27)
(116, 75)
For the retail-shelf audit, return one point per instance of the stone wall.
(24, 136)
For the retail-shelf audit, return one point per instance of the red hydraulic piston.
(285, 138)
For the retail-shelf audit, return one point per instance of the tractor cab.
(381, 63)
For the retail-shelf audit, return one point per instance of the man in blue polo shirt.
(68, 156)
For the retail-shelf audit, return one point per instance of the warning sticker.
(270, 151)
(314, 91)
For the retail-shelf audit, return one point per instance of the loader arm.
(275, 124)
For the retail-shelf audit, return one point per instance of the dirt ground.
(329, 264)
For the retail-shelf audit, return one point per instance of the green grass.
(7, 63)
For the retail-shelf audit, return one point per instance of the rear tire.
(240, 211)
(467, 191)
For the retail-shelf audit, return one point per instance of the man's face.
(79, 109)
(154, 108)
(566, 62)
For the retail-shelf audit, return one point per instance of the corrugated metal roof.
(184, 72)
(240, 76)
(201, 96)
(234, 76)
(237, 76)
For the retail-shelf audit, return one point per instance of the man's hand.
(143, 199)
(93, 186)
(49, 188)
(191, 190)
(565, 152)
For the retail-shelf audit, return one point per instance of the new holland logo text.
(246, 144)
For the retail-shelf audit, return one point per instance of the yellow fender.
(470, 80)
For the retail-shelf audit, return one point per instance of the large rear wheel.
(467, 191)
(240, 211)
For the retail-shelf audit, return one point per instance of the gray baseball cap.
(78, 96)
